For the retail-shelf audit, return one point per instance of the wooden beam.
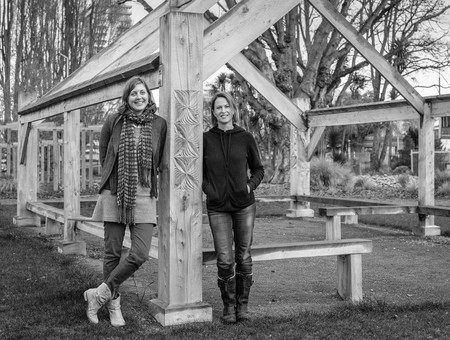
(180, 218)
(329, 12)
(337, 201)
(89, 93)
(434, 210)
(27, 177)
(129, 41)
(391, 111)
(272, 93)
(78, 89)
(425, 225)
(314, 141)
(301, 249)
(71, 170)
(232, 32)
(368, 210)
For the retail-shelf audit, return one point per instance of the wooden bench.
(349, 263)
(333, 215)
(349, 252)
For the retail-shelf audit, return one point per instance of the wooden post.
(56, 161)
(27, 177)
(333, 228)
(349, 276)
(426, 225)
(180, 203)
(71, 168)
(299, 168)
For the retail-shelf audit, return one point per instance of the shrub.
(412, 188)
(440, 177)
(7, 185)
(444, 189)
(402, 169)
(403, 180)
(326, 174)
(365, 183)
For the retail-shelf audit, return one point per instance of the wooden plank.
(71, 169)
(434, 210)
(180, 226)
(352, 118)
(329, 12)
(314, 141)
(56, 160)
(27, 177)
(425, 225)
(232, 32)
(269, 90)
(108, 88)
(301, 249)
(349, 272)
(375, 112)
(367, 210)
(45, 210)
(333, 228)
(94, 68)
(337, 201)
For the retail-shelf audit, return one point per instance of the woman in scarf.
(131, 147)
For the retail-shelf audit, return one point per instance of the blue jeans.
(227, 227)
(115, 270)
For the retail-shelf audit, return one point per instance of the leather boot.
(96, 298)
(115, 314)
(243, 284)
(228, 292)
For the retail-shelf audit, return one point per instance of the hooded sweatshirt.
(227, 157)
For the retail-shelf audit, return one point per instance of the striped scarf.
(135, 162)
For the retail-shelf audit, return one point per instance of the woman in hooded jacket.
(232, 170)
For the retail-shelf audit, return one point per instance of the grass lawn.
(41, 295)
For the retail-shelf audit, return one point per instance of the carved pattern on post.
(187, 140)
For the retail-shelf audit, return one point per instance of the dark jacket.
(227, 157)
(109, 148)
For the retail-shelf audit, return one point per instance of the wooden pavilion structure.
(190, 50)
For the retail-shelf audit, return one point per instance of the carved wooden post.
(299, 168)
(180, 202)
(71, 170)
(426, 225)
(27, 177)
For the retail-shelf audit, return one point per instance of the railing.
(51, 155)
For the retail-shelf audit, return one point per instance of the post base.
(72, 247)
(429, 230)
(295, 213)
(27, 221)
(180, 314)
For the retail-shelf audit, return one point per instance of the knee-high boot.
(228, 292)
(243, 284)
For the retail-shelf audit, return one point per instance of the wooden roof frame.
(199, 55)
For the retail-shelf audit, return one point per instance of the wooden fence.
(51, 155)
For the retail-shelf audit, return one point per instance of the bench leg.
(52, 227)
(333, 228)
(349, 275)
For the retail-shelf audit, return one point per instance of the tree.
(304, 55)
(41, 42)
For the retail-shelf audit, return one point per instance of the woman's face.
(138, 98)
(223, 111)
